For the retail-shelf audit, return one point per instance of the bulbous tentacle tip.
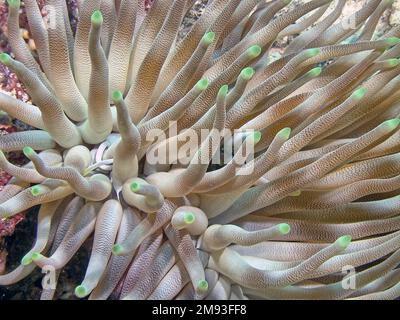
(284, 228)
(284, 133)
(37, 190)
(135, 186)
(286, 2)
(14, 3)
(392, 123)
(189, 217)
(295, 194)
(117, 249)
(5, 58)
(202, 84)
(117, 96)
(81, 291)
(36, 256)
(312, 52)
(28, 151)
(393, 62)
(315, 72)
(223, 91)
(208, 38)
(256, 136)
(202, 286)
(344, 241)
(359, 93)
(392, 41)
(97, 17)
(26, 260)
(254, 51)
(247, 73)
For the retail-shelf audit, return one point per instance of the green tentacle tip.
(202, 84)
(135, 186)
(4, 58)
(37, 190)
(117, 249)
(209, 37)
(312, 52)
(314, 72)
(344, 241)
(36, 256)
(295, 194)
(392, 123)
(223, 91)
(392, 41)
(28, 151)
(256, 136)
(284, 133)
(97, 17)
(286, 2)
(202, 286)
(284, 228)
(247, 73)
(81, 291)
(14, 3)
(359, 93)
(189, 217)
(393, 62)
(117, 96)
(27, 259)
(254, 51)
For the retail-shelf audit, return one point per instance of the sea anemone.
(307, 204)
